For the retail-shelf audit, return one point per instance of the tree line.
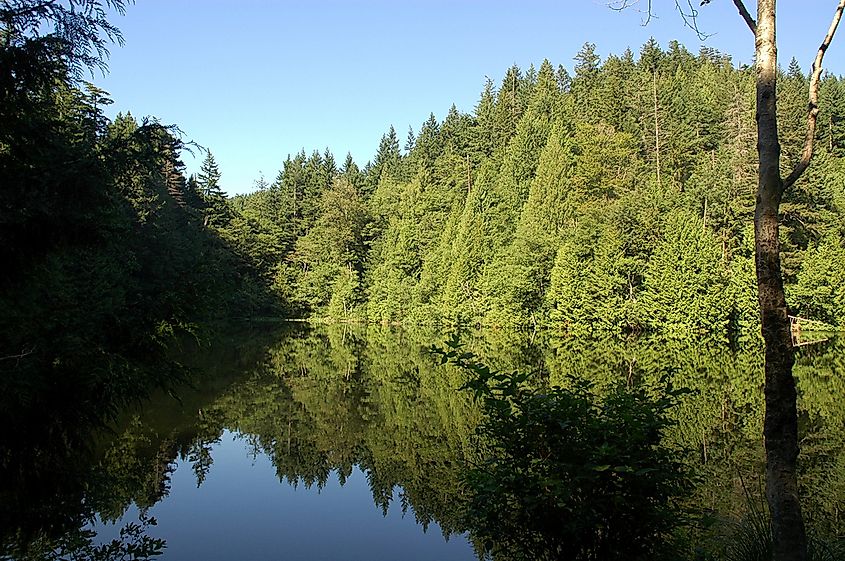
(108, 251)
(619, 198)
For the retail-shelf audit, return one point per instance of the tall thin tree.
(780, 425)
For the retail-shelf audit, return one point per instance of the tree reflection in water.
(324, 399)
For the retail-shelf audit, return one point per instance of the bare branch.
(23, 354)
(743, 11)
(691, 18)
(813, 104)
(688, 12)
(620, 5)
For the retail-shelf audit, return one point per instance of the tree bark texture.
(780, 427)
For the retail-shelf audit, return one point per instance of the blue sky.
(256, 80)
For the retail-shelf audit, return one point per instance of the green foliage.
(750, 539)
(819, 293)
(322, 399)
(107, 257)
(568, 474)
(742, 287)
(588, 284)
(550, 203)
(333, 245)
(346, 295)
(613, 201)
(74, 37)
(570, 201)
(215, 210)
(585, 203)
(685, 280)
(133, 544)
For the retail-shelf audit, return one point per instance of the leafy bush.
(569, 475)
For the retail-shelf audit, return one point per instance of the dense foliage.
(619, 198)
(567, 474)
(107, 249)
(615, 200)
(109, 253)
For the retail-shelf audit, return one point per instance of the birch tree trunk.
(780, 425)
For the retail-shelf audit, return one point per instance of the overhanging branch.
(743, 11)
(620, 5)
(813, 104)
(691, 17)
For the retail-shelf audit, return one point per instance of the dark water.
(349, 443)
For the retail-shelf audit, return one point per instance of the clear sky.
(256, 80)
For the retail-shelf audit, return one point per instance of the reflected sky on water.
(242, 511)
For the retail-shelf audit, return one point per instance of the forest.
(587, 205)
(617, 199)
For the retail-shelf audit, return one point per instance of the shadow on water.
(58, 429)
(326, 400)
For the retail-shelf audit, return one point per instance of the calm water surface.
(350, 443)
(242, 511)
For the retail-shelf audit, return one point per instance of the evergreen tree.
(587, 293)
(831, 133)
(586, 84)
(557, 200)
(484, 141)
(819, 293)
(410, 141)
(509, 105)
(209, 176)
(685, 280)
(386, 165)
(216, 212)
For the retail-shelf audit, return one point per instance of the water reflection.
(373, 409)
(259, 518)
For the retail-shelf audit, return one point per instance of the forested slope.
(620, 198)
(108, 251)
(617, 199)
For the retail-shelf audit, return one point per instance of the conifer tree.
(685, 280)
(586, 86)
(831, 133)
(509, 106)
(819, 293)
(386, 165)
(216, 211)
(410, 140)
(209, 176)
(588, 282)
(484, 140)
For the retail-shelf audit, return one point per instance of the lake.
(330, 442)
(243, 511)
